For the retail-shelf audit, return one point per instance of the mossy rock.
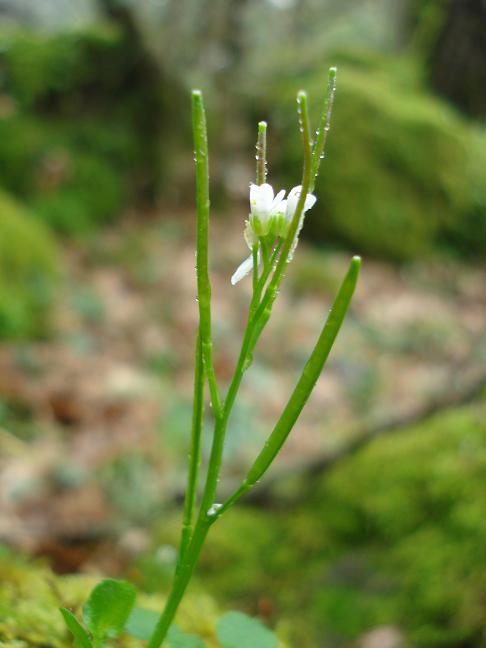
(41, 68)
(29, 272)
(394, 535)
(69, 182)
(31, 595)
(401, 169)
(413, 505)
(86, 126)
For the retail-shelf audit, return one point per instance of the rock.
(382, 637)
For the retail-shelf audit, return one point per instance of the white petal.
(281, 209)
(254, 193)
(261, 199)
(243, 269)
(295, 191)
(293, 199)
(310, 201)
(276, 207)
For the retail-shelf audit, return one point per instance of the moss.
(83, 119)
(421, 497)
(29, 270)
(66, 181)
(401, 168)
(39, 68)
(31, 595)
(91, 195)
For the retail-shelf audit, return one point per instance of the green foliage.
(237, 630)
(421, 496)
(403, 170)
(69, 184)
(108, 608)
(141, 623)
(81, 639)
(31, 595)
(233, 630)
(91, 196)
(28, 272)
(37, 65)
(81, 123)
(178, 639)
(105, 613)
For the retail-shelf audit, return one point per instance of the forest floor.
(94, 421)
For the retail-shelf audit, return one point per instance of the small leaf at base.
(80, 635)
(178, 639)
(237, 630)
(141, 623)
(108, 608)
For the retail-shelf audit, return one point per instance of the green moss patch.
(29, 272)
(81, 124)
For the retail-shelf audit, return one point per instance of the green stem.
(304, 387)
(257, 290)
(261, 153)
(202, 266)
(181, 581)
(323, 127)
(254, 254)
(195, 453)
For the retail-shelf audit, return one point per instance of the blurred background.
(370, 530)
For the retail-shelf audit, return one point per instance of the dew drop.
(213, 510)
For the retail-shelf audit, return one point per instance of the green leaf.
(308, 378)
(237, 630)
(80, 635)
(141, 623)
(178, 639)
(108, 608)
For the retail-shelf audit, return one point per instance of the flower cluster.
(270, 216)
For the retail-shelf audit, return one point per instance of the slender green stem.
(257, 291)
(195, 453)
(324, 126)
(266, 249)
(254, 254)
(261, 154)
(304, 387)
(202, 266)
(181, 580)
(306, 181)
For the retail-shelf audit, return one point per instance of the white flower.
(243, 269)
(270, 215)
(264, 208)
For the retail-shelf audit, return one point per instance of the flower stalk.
(271, 233)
